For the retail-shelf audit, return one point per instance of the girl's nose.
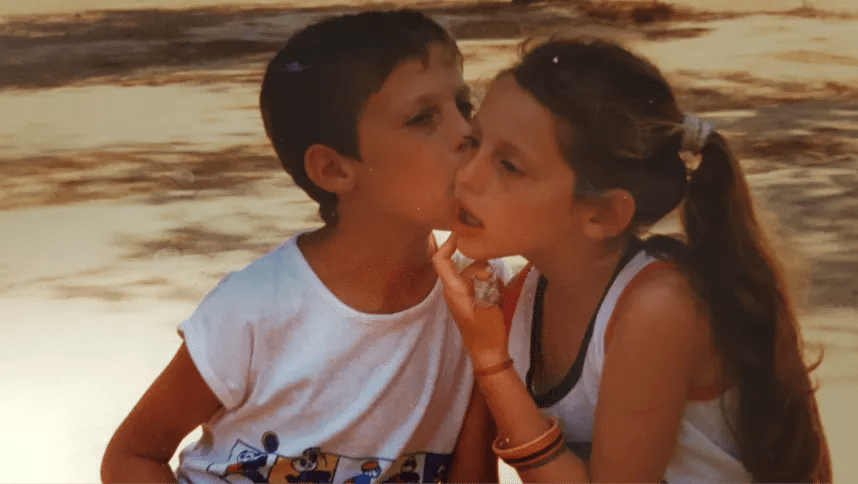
(468, 174)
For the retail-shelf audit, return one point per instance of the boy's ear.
(609, 214)
(328, 169)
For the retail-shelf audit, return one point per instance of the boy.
(333, 358)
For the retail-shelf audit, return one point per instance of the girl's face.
(516, 194)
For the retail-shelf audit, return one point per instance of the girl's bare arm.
(658, 338)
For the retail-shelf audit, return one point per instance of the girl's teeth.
(468, 219)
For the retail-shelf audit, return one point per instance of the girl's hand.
(481, 323)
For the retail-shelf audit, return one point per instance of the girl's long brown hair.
(620, 128)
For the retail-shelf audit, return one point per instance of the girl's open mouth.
(468, 220)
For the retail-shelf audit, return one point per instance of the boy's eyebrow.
(431, 98)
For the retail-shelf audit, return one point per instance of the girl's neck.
(575, 270)
(372, 271)
(577, 279)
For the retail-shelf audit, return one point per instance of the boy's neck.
(372, 271)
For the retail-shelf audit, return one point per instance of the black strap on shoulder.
(555, 394)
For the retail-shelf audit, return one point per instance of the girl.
(629, 359)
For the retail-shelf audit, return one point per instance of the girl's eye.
(466, 108)
(509, 166)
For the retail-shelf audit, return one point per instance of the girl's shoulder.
(659, 306)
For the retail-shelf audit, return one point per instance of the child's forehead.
(437, 72)
(436, 56)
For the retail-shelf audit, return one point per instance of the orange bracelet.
(541, 459)
(533, 451)
(494, 368)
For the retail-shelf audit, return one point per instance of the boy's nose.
(462, 132)
(465, 145)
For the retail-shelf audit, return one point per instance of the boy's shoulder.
(257, 280)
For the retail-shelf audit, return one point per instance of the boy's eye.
(466, 108)
(473, 142)
(421, 118)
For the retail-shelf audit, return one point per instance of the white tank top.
(705, 450)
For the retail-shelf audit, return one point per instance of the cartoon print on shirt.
(369, 470)
(436, 466)
(245, 461)
(407, 470)
(312, 465)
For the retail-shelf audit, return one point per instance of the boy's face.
(412, 137)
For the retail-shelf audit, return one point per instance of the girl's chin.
(475, 249)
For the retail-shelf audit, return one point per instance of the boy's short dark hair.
(315, 88)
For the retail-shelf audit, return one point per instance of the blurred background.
(135, 172)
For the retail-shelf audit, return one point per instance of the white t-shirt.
(315, 391)
(705, 451)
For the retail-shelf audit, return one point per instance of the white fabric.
(705, 450)
(310, 384)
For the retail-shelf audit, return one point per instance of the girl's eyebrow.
(502, 147)
(508, 149)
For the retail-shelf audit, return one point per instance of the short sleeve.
(219, 338)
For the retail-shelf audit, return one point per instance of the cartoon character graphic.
(406, 471)
(307, 466)
(250, 464)
(368, 471)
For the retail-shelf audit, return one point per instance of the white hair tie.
(695, 133)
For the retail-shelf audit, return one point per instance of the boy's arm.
(175, 404)
(473, 458)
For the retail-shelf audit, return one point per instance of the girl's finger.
(479, 269)
(448, 247)
(444, 265)
(433, 245)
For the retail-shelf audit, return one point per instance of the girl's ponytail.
(753, 323)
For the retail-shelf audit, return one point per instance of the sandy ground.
(135, 173)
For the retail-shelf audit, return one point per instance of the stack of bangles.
(535, 453)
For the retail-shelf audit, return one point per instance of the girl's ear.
(609, 214)
(328, 169)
